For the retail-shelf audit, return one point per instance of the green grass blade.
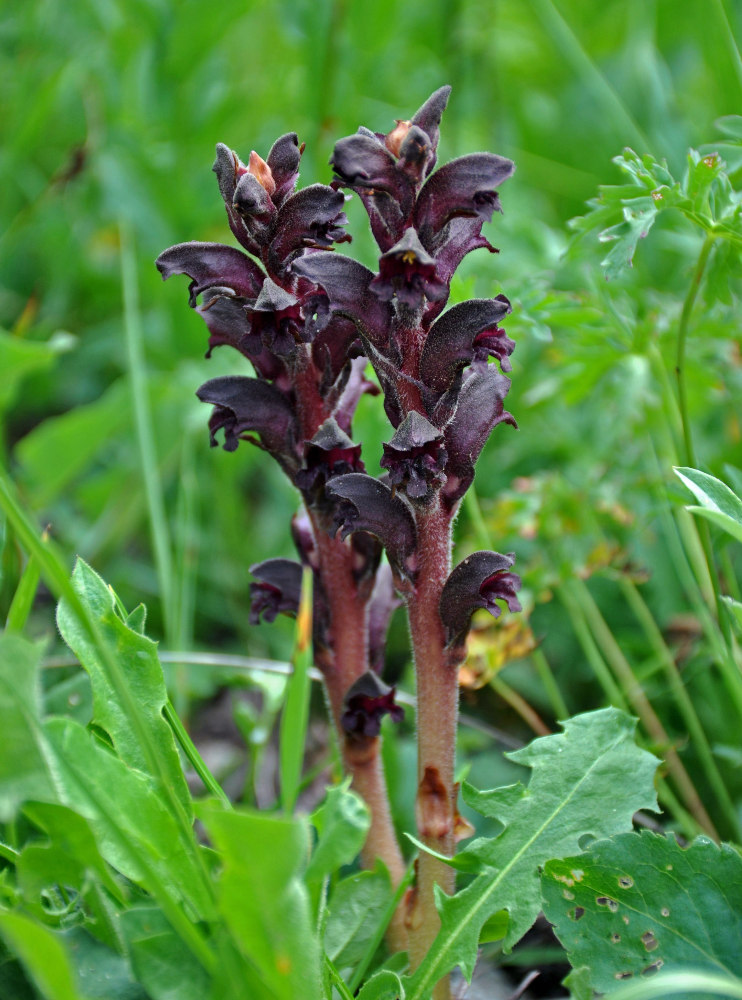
(25, 594)
(296, 708)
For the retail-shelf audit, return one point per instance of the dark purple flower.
(366, 704)
(363, 503)
(330, 453)
(479, 409)
(310, 218)
(283, 162)
(250, 404)
(467, 333)
(477, 582)
(276, 321)
(345, 283)
(416, 456)
(276, 589)
(462, 187)
(407, 272)
(210, 264)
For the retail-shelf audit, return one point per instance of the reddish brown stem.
(437, 709)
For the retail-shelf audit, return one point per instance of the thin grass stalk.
(549, 681)
(640, 703)
(683, 700)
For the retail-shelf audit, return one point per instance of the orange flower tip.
(261, 171)
(393, 140)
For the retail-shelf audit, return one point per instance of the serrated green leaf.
(163, 965)
(42, 955)
(590, 779)
(263, 900)
(140, 667)
(23, 773)
(639, 903)
(355, 907)
(385, 985)
(342, 822)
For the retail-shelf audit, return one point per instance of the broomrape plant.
(310, 320)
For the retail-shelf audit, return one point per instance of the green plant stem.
(682, 698)
(194, 757)
(641, 705)
(546, 675)
(144, 424)
(683, 324)
(589, 647)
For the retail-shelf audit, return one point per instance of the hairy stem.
(437, 710)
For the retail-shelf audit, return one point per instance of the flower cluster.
(309, 320)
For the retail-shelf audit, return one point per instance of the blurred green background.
(110, 113)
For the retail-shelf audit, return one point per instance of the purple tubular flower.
(477, 582)
(465, 186)
(366, 704)
(407, 271)
(366, 504)
(210, 264)
(276, 590)
(428, 118)
(228, 323)
(276, 320)
(466, 334)
(384, 602)
(345, 283)
(249, 404)
(283, 161)
(228, 169)
(330, 453)
(416, 457)
(479, 410)
(312, 217)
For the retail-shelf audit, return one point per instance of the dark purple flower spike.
(477, 582)
(366, 704)
(249, 404)
(366, 504)
(276, 589)
(416, 457)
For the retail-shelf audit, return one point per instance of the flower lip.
(366, 703)
(330, 453)
(276, 589)
(416, 456)
(475, 583)
(244, 404)
(407, 272)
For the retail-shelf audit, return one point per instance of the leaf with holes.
(639, 905)
(590, 779)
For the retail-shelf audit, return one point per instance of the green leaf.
(19, 358)
(342, 822)
(385, 985)
(263, 901)
(589, 780)
(639, 903)
(718, 503)
(736, 609)
(23, 773)
(163, 965)
(42, 955)
(355, 907)
(100, 973)
(139, 665)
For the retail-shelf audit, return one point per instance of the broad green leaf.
(342, 822)
(23, 769)
(640, 904)
(69, 858)
(132, 825)
(715, 499)
(42, 955)
(589, 780)
(19, 358)
(385, 985)
(355, 907)
(100, 972)
(140, 667)
(163, 965)
(263, 900)
(62, 447)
